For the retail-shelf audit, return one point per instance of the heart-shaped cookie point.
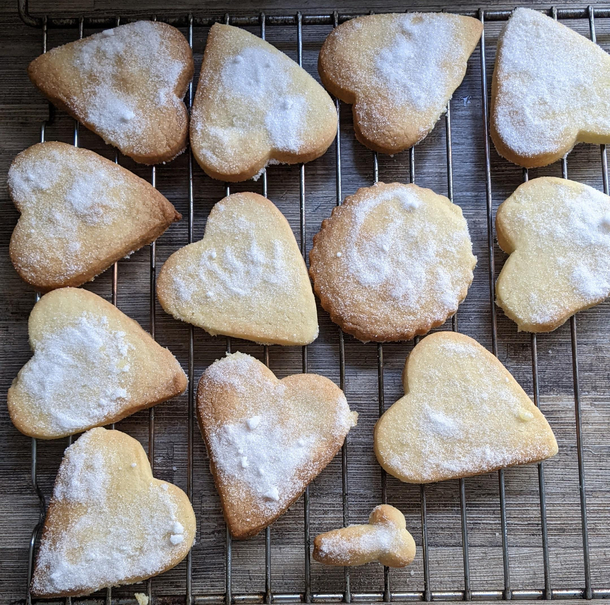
(92, 365)
(246, 278)
(255, 106)
(557, 233)
(463, 414)
(392, 262)
(80, 213)
(126, 84)
(550, 90)
(267, 439)
(398, 71)
(110, 522)
(384, 538)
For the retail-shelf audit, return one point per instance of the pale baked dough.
(398, 71)
(126, 84)
(92, 365)
(462, 414)
(267, 439)
(385, 539)
(80, 213)
(392, 262)
(557, 233)
(109, 522)
(246, 278)
(550, 90)
(255, 106)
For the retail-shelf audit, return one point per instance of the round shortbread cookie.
(127, 84)
(550, 90)
(246, 278)
(398, 71)
(255, 106)
(80, 213)
(392, 262)
(267, 439)
(92, 365)
(557, 233)
(110, 522)
(462, 414)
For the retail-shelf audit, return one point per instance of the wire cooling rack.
(384, 589)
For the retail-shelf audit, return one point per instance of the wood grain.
(22, 110)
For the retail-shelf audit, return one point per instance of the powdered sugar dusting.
(286, 122)
(394, 256)
(399, 70)
(550, 85)
(92, 195)
(407, 198)
(423, 56)
(31, 176)
(338, 547)
(85, 199)
(77, 210)
(590, 285)
(83, 477)
(78, 376)
(230, 371)
(263, 456)
(562, 258)
(122, 76)
(107, 61)
(462, 415)
(101, 540)
(229, 272)
(401, 255)
(258, 84)
(441, 423)
(246, 278)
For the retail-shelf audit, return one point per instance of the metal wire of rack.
(191, 21)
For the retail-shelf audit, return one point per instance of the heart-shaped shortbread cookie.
(384, 538)
(392, 262)
(463, 414)
(255, 106)
(246, 278)
(110, 521)
(92, 365)
(126, 84)
(550, 90)
(80, 213)
(557, 233)
(267, 439)
(398, 71)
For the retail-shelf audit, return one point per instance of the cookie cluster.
(391, 263)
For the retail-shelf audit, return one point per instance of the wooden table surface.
(22, 110)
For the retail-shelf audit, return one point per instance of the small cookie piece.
(110, 522)
(392, 262)
(550, 90)
(126, 84)
(267, 439)
(385, 539)
(255, 106)
(557, 233)
(92, 365)
(463, 414)
(246, 278)
(80, 213)
(398, 71)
